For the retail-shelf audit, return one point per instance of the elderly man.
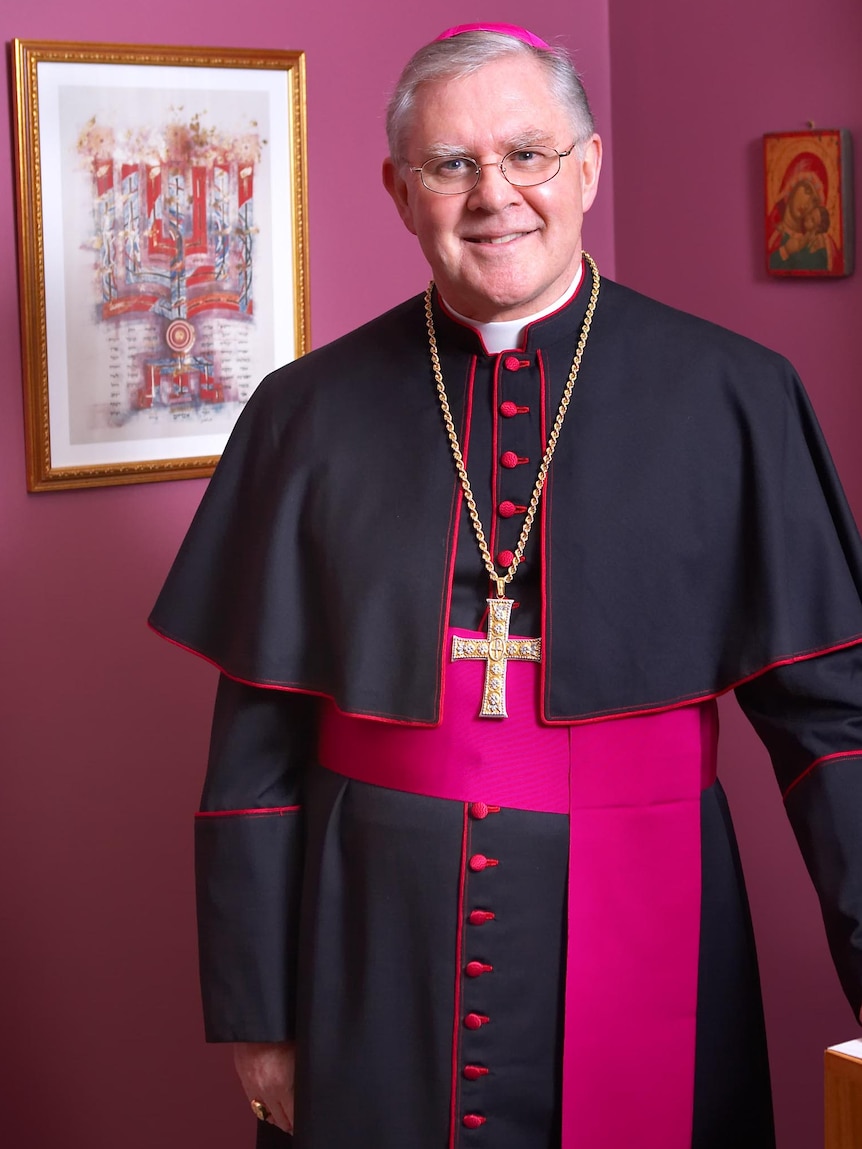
(475, 575)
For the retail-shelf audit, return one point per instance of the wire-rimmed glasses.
(523, 168)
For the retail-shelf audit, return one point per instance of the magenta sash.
(631, 787)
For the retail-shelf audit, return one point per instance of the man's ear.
(591, 166)
(399, 189)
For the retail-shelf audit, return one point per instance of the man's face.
(497, 252)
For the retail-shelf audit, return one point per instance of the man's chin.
(491, 303)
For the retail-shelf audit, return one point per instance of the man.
(475, 574)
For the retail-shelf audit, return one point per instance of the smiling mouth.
(497, 239)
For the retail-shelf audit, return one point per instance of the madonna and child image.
(809, 197)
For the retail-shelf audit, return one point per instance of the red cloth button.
(512, 363)
(474, 1072)
(479, 810)
(479, 862)
(509, 410)
(473, 1120)
(506, 558)
(475, 1020)
(509, 459)
(479, 917)
(477, 968)
(506, 509)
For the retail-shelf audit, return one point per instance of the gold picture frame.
(162, 251)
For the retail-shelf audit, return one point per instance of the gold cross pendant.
(497, 649)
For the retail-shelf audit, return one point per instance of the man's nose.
(493, 191)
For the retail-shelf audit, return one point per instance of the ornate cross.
(496, 650)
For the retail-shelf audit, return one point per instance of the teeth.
(503, 238)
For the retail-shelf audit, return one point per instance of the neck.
(505, 334)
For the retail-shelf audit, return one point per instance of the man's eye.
(527, 158)
(451, 166)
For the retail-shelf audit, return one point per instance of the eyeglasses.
(523, 168)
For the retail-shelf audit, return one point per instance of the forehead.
(501, 105)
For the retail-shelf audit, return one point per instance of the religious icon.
(809, 203)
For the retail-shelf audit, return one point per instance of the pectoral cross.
(497, 649)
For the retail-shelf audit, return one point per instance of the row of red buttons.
(478, 863)
(509, 459)
(473, 969)
(507, 508)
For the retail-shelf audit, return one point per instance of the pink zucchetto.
(504, 30)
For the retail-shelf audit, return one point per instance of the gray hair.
(465, 54)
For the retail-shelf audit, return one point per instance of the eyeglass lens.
(523, 168)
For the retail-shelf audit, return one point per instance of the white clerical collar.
(505, 334)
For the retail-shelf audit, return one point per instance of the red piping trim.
(603, 716)
(243, 813)
(495, 462)
(528, 328)
(543, 524)
(459, 960)
(461, 323)
(819, 762)
(454, 533)
(391, 720)
(695, 699)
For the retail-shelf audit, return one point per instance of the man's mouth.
(497, 239)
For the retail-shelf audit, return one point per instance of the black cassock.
(693, 540)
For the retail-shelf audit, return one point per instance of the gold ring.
(260, 1110)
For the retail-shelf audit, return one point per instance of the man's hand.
(266, 1070)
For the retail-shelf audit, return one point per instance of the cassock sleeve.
(809, 716)
(248, 861)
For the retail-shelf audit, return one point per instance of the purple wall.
(104, 727)
(694, 89)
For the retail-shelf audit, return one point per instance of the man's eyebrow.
(531, 137)
(440, 150)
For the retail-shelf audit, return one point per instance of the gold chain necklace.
(498, 648)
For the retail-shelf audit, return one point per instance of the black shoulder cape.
(695, 533)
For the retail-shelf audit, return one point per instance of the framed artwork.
(162, 251)
(809, 203)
